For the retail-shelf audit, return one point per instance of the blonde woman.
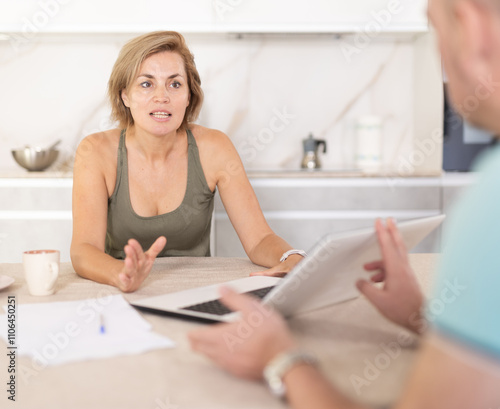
(146, 190)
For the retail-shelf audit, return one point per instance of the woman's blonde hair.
(129, 61)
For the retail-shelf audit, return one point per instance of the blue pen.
(102, 329)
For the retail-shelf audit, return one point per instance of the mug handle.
(54, 270)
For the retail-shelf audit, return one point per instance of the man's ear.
(125, 98)
(474, 37)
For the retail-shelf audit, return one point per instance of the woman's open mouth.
(161, 115)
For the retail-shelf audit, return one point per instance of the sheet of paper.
(61, 332)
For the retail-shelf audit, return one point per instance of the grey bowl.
(35, 159)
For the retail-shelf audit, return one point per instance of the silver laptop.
(326, 276)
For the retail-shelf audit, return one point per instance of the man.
(458, 365)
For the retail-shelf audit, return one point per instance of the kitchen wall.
(267, 92)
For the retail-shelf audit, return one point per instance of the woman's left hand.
(281, 269)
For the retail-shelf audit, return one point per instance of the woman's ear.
(125, 98)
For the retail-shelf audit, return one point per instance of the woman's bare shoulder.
(210, 139)
(217, 154)
(100, 142)
(100, 147)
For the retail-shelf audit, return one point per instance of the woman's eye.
(145, 84)
(175, 84)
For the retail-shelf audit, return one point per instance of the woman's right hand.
(138, 263)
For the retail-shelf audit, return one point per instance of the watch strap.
(280, 365)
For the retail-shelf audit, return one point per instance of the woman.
(150, 184)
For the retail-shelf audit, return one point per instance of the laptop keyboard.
(217, 308)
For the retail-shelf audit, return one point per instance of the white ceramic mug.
(41, 268)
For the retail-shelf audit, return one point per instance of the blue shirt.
(465, 303)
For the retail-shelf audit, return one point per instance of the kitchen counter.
(299, 206)
(454, 178)
(327, 173)
(24, 174)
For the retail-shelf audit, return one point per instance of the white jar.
(368, 143)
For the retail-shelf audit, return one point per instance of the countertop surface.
(445, 177)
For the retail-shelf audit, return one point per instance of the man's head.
(469, 39)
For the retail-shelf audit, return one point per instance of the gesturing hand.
(244, 347)
(400, 299)
(138, 263)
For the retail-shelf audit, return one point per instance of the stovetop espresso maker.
(311, 158)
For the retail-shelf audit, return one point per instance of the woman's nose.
(161, 95)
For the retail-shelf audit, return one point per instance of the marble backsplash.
(267, 92)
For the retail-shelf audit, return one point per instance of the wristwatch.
(288, 253)
(280, 365)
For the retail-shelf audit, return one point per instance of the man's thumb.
(371, 292)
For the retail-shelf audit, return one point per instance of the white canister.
(368, 143)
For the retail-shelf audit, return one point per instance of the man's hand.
(246, 346)
(138, 264)
(400, 299)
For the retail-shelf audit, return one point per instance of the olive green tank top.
(186, 228)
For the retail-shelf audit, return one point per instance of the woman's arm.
(226, 171)
(90, 205)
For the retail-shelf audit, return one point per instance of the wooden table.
(355, 345)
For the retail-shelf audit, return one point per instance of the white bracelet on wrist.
(288, 253)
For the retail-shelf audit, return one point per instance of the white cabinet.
(322, 15)
(34, 214)
(33, 16)
(30, 17)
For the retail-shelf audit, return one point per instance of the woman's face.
(159, 95)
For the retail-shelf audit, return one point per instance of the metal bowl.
(35, 159)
